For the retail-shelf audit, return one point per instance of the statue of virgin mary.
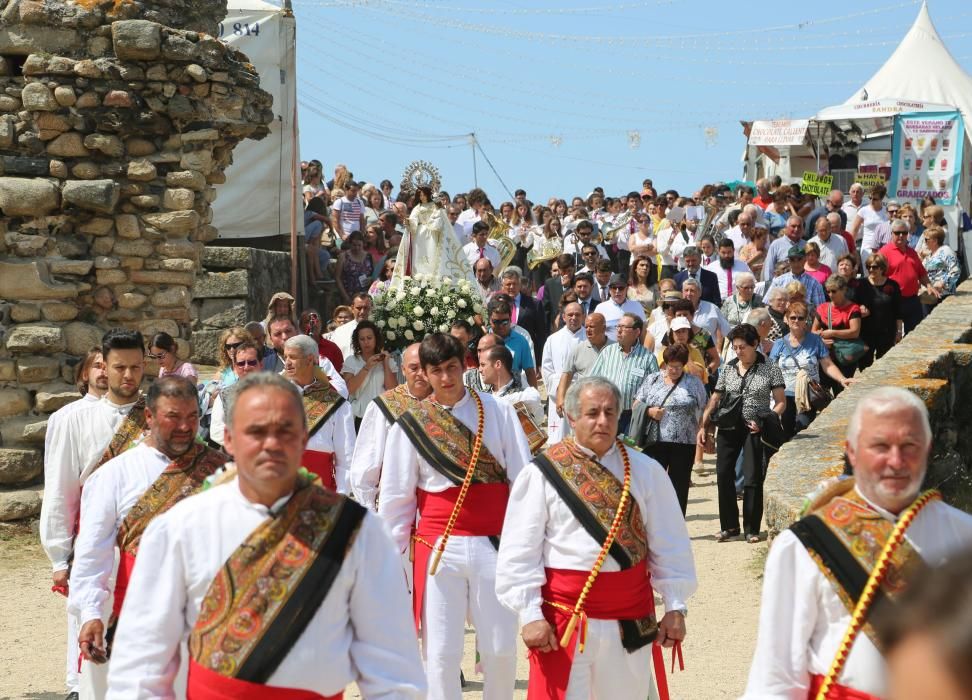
(430, 245)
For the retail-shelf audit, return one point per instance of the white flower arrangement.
(405, 317)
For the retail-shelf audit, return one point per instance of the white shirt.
(337, 381)
(527, 395)
(540, 531)
(670, 243)
(735, 235)
(372, 386)
(72, 450)
(710, 317)
(573, 246)
(727, 283)
(341, 336)
(870, 220)
(466, 219)
(363, 631)
(612, 313)
(802, 621)
(471, 251)
(555, 353)
(831, 249)
(404, 470)
(851, 209)
(337, 436)
(108, 496)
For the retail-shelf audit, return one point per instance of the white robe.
(802, 621)
(430, 247)
(362, 632)
(555, 353)
(337, 436)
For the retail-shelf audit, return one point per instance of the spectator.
(618, 304)
(833, 204)
(801, 351)
(281, 304)
(864, 228)
(727, 267)
(348, 212)
(777, 301)
(753, 253)
(246, 360)
(499, 311)
(830, 247)
(838, 320)
(626, 363)
(757, 384)
(879, 298)
(780, 248)
(708, 282)
(229, 340)
(360, 311)
(905, 268)
(489, 284)
(736, 307)
(581, 359)
(496, 369)
(164, 350)
(680, 333)
(480, 246)
(812, 265)
(796, 256)
(383, 280)
(554, 288)
(527, 313)
(643, 283)
(313, 183)
(700, 338)
(375, 204)
(370, 370)
(941, 264)
(319, 236)
(355, 267)
(311, 324)
(661, 319)
(675, 398)
(341, 315)
(853, 205)
(706, 315)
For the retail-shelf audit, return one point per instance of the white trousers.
(94, 681)
(465, 582)
(72, 678)
(605, 671)
(556, 425)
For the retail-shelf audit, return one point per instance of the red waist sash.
(125, 567)
(481, 515)
(837, 692)
(322, 464)
(615, 595)
(205, 684)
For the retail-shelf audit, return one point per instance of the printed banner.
(782, 132)
(817, 185)
(869, 180)
(926, 156)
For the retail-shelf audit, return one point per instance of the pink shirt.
(821, 274)
(183, 369)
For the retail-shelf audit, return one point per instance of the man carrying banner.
(330, 422)
(451, 458)
(86, 438)
(863, 541)
(284, 589)
(379, 417)
(592, 529)
(122, 497)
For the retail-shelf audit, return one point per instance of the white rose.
(461, 303)
(430, 292)
(400, 295)
(444, 328)
(446, 280)
(415, 291)
(478, 308)
(418, 325)
(400, 322)
(446, 299)
(451, 314)
(471, 321)
(380, 323)
(409, 335)
(390, 335)
(464, 285)
(434, 311)
(418, 310)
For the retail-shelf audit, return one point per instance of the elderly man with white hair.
(831, 246)
(330, 422)
(814, 637)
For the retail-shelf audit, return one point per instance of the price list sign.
(927, 156)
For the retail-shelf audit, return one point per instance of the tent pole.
(818, 148)
(294, 263)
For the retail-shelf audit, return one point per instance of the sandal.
(752, 539)
(727, 535)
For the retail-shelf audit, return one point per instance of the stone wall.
(935, 362)
(114, 130)
(234, 289)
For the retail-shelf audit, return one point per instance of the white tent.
(257, 198)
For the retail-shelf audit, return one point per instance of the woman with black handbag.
(746, 386)
(674, 401)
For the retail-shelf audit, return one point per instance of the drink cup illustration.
(907, 163)
(934, 143)
(942, 184)
(904, 182)
(946, 143)
(908, 142)
(918, 162)
(921, 143)
(943, 163)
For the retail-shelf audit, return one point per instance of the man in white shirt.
(856, 201)
(480, 246)
(555, 355)
(574, 242)
(460, 231)
(80, 441)
(341, 336)
(496, 368)
(326, 555)
(831, 246)
(348, 213)
(618, 305)
(118, 502)
(555, 530)
(727, 266)
(244, 362)
(428, 456)
(475, 198)
(707, 315)
(282, 329)
(809, 586)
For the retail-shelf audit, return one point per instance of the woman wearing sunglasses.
(163, 350)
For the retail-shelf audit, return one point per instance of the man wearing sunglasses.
(246, 361)
(500, 313)
(906, 268)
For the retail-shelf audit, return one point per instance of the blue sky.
(564, 95)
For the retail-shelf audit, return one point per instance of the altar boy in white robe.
(555, 353)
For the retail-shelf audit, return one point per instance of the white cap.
(680, 323)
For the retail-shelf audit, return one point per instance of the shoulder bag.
(652, 433)
(730, 413)
(846, 352)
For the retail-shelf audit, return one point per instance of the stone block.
(204, 346)
(186, 178)
(70, 267)
(81, 337)
(138, 248)
(178, 249)
(86, 170)
(173, 296)
(25, 197)
(146, 201)
(69, 145)
(24, 165)
(37, 368)
(111, 146)
(173, 222)
(105, 263)
(228, 257)
(36, 338)
(18, 504)
(128, 263)
(87, 69)
(211, 285)
(174, 313)
(8, 130)
(8, 370)
(131, 300)
(9, 103)
(179, 265)
(139, 147)
(23, 431)
(103, 245)
(37, 97)
(64, 96)
(94, 195)
(24, 313)
(89, 99)
(31, 281)
(26, 246)
(111, 276)
(51, 397)
(14, 402)
(126, 226)
(222, 313)
(141, 170)
(201, 160)
(97, 226)
(19, 466)
(59, 312)
(59, 169)
(197, 73)
(136, 39)
(162, 277)
(178, 199)
(151, 327)
(118, 98)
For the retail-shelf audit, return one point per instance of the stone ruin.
(117, 120)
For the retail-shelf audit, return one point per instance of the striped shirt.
(625, 371)
(349, 211)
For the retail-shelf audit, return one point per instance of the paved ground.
(721, 622)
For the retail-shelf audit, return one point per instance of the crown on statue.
(420, 173)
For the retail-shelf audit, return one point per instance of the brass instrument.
(607, 234)
(544, 251)
(501, 239)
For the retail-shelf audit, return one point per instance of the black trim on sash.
(456, 473)
(580, 510)
(324, 418)
(634, 636)
(814, 534)
(385, 411)
(296, 613)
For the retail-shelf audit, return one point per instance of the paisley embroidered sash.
(269, 589)
(394, 402)
(593, 493)
(446, 444)
(320, 403)
(127, 434)
(844, 536)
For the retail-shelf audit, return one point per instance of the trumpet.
(544, 251)
(609, 233)
(498, 234)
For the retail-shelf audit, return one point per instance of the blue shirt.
(806, 356)
(522, 355)
(815, 293)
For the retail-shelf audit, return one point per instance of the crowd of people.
(532, 468)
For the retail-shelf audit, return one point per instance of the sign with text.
(781, 132)
(869, 180)
(817, 185)
(926, 156)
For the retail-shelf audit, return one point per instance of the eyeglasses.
(796, 318)
(874, 267)
(313, 317)
(247, 363)
(746, 286)
(156, 356)
(627, 328)
(616, 287)
(899, 233)
(231, 347)
(500, 321)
